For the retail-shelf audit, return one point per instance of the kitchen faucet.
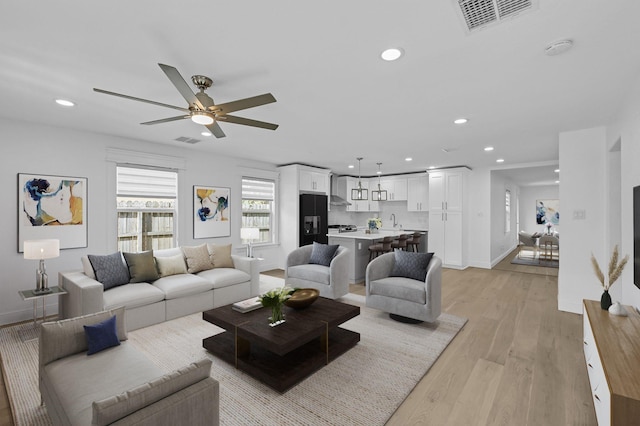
(393, 216)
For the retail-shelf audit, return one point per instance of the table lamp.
(41, 250)
(249, 234)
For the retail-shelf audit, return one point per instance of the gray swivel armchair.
(404, 298)
(527, 241)
(331, 281)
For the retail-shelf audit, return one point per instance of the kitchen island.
(358, 243)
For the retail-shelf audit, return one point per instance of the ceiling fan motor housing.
(202, 81)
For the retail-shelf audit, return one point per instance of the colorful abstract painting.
(548, 211)
(211, 212)
(52, 207)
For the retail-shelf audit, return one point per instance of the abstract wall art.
(52, 207)
(211, 212)
(548, 211)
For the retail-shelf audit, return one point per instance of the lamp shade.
(41, 249)
(249, 233)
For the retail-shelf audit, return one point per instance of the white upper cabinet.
(396, 188)
(346, 184)
(313, 181)
(418, 193)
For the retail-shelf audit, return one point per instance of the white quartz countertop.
(362, 235)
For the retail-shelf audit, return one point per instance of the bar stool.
(401, 242)
(414, 241)
(377, 249)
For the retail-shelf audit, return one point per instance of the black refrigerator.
(313, 219)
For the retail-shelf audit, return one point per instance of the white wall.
(29, 148)
(582, 188)
(502, 243)
(528, 197)
(479, 218)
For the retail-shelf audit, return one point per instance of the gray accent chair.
(401, 296)
(331, 281)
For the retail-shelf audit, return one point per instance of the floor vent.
(479, 14)
(187, 140)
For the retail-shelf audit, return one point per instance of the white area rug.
(362, 387)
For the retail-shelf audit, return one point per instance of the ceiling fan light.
(200, 117)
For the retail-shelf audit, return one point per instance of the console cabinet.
(612, 355)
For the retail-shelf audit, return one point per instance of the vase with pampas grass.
(615, 270)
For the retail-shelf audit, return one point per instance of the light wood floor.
(517, 361)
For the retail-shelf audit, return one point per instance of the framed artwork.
(52, 207)
(548, 211)
(211, 212)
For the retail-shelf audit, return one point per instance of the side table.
(31, 295)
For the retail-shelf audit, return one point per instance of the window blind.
(257, 189)
(148, 183)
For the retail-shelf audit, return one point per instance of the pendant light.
(359, 193)
(380, 194)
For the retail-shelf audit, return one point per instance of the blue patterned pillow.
(110, 270)
(411, 265)
(101, 336)
(322, 254)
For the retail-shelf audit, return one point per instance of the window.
(258, 208)
(507, 211)
(146, 206)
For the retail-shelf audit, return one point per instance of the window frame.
(273, 214)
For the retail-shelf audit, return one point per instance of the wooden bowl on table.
(302, 298)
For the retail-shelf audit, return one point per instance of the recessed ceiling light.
(65, 102)
(432, 167)
(378, 172)
(557, 181)
(351, 166)
(408, 159)
(500, 160)
(557, 170)
(488, 148)
(460, 121)
(392, 54)
(206, 133)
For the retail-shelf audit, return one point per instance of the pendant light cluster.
(379, 194)
(359, 193)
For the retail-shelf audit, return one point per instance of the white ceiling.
(336, 99)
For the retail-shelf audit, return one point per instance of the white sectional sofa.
(168, 297)
(118, 385)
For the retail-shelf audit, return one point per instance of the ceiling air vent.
(187, 140)
(479, 14)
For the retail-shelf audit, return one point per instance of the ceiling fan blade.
(106, 92)
(215, 129)
(166, 120)
(254, 101)
(181, 85)
(247, 122)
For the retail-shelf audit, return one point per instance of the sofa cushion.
(400, 288)
(224, 277)
(142, 266)
(220, 255)
(311, 272)
(175, 286)
(171, 265)
(101, 336)
(411, 265)
(110, 270)
(322, 254)
(132, 295)
(78, 380)
(59, 339)
(198, 258)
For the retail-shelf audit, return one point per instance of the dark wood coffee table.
(284, 355)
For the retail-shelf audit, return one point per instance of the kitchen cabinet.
(418, 193)
(396, 188)
(447, 216)
(313, 181)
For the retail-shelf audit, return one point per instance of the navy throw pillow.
(101, 336)
(411, 265)
(110, 270)
(322, 254)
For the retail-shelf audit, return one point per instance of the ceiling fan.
(202, 109)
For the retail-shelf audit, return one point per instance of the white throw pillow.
(171, 265)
